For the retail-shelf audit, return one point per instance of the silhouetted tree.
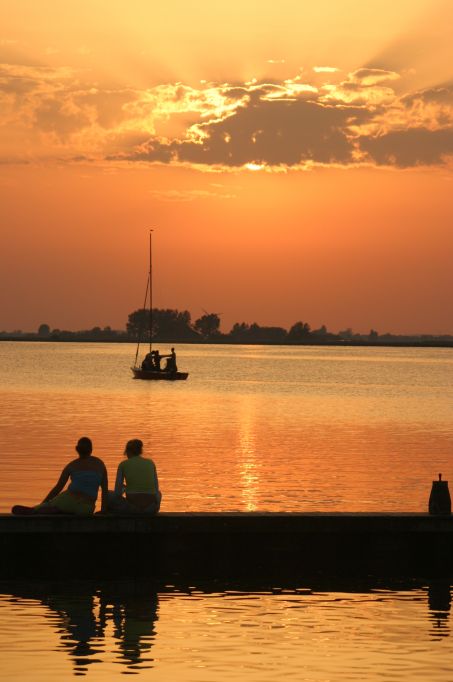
(299, 332)
(244, 333)
(168, 324)
(322, 335)
(208, 325)
(259, 334)
(44, 330)
(239, 329)
(173, 324)
(138, 324)
(240, 332)
(274, 334)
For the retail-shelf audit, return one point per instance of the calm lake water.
(253, 428)
(195, 634)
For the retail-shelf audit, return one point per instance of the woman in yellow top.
(136, 485)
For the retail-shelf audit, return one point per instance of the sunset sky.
(295, 159)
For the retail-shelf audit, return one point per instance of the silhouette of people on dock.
(134, 619)
(86, 475)
(79, 627)
(136, 485)
(81, 614)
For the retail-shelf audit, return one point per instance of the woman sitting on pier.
(87, 475)
(142, 485)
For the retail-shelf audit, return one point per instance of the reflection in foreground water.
(439, 602)
(84, 617)
(226, 631)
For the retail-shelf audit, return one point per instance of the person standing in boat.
(170, 365)
(86, 474)
(136, 485)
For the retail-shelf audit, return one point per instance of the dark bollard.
(439, 499)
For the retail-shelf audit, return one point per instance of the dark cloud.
(54, 115)
(438, 95)
(410, 147)
(270, 132)
(16, 86)
(81, 158)
(368, 76)
(10, 161)
(237, 92)
(55, 102)
(271, 123)
(22, 81)
(273, 126)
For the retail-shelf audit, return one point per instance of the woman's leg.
(21, 510)
(67, 503)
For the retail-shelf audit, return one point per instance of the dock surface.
(226, 545)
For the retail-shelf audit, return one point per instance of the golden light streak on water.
(248, 467)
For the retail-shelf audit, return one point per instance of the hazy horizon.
(226, 330)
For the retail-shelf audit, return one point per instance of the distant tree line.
(170, 325)
(173, 325)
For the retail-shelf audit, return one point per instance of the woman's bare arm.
(104, 490)
(119, 481)
(156, 477)
(158, 492)
(59, 485)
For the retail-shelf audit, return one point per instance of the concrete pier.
(226, 545)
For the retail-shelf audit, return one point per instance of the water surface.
(253, 428)
(195, 633)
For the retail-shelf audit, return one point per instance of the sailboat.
(147, 368)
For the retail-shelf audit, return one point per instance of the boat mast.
(150, 291)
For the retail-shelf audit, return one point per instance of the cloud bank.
(365, 117)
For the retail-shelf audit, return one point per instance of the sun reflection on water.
(248, 469)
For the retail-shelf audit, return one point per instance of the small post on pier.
(439, 499)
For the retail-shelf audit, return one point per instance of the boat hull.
(153, 375)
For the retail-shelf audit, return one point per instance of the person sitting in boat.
(157, 359)
(136, 485)
(170, 365)
(86, 474)
(148, 361)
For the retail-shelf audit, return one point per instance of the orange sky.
(295, 159)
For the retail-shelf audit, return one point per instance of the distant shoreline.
(338, 344)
